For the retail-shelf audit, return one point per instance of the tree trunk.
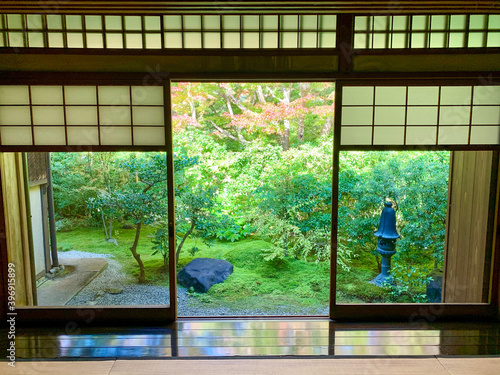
(260, 94)
(300, 130)
(186, 235)
(304, 91)
(327, 127)
(285, 138)
(133, 249)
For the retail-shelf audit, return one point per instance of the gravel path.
(146, 294)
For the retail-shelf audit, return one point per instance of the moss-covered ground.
(255, 284)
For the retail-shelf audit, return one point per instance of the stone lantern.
(387, 236)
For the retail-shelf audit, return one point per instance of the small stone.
(113, 290)
(92, 303)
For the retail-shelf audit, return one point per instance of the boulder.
(202, 273)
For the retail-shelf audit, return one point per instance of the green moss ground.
(255, 284)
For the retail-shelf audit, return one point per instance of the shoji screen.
(420, 115)
(81, 115)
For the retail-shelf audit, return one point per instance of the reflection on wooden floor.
(197, 338)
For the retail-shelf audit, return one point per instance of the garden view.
(253, 186)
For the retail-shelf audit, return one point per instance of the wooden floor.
(298, 366)
(228, 338)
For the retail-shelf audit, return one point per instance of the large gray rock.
(202, 273)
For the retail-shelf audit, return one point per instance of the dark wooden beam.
(249, 7)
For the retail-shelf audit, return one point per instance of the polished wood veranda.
(230, 338)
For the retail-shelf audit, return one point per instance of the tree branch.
(227, 134)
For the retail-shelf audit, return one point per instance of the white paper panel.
(133, 23)
(360, 41)
(362, 95)
(422, 116)
(211, 40)
(231, 22)
(73, 22)
(145, 136)
(328, 22)
(309, 22)
(482, 115)
(114, 40)
(15, 115)
(399, 41)
(269, 22)
(114, 115)
(133, 40)
(487, 95)
(50, 135)
(380, 41)
(54, 22)
(454, 115)
(289, 22)
(288, 40)
(453, 135)
(80, 95)
(53, 115)
(147, 95)
(79, 115)
(438, 40)
(114, 95)
(113, 22)
(46, 95)
(360, 135)
(357, 115)
(15, 135)
(211, 22)
(421, 135)
(56, 40)
(456, 95)
(14, 95)
(148, 116)
(95, 41)
(390, 115)
(152, 23)
(307, 40)
(388, 135)
(172, 22)
(153, 41)
(423, 95)
(481, 135)
(192, 22)
(75, 40)
(192, 40)
(418, 40)
(93, 22)
(327, 40)
(35, 40)
(269, 40)
(390, 95)
(16, 39)
(250, 40)
(493, 39)
(232, 40)
(82, 135)
(457, 40)
(173, 40)
(111, 135)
